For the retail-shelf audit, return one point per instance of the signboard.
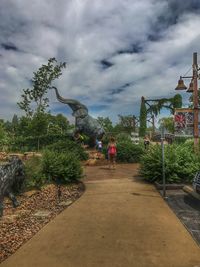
(184, 122)
(135, 138)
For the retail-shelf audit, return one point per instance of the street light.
(193, 88)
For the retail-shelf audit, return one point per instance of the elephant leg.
(13, 199)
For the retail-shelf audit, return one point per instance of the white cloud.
(83, 33)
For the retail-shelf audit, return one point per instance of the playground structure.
(154, 106)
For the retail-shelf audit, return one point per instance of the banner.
(184, 122)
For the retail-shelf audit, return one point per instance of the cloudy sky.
(116, 50)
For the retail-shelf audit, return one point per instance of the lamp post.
(193, 88)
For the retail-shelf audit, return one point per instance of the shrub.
(34, 176)
(181, 163)
(180, 139)
(121, 137)
(129, 152)
(61, 167)
(69, 146)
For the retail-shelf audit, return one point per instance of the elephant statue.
(11, 179)
(84, 123)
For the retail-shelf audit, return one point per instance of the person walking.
(146, 142)
(99, 148)
(112, 153)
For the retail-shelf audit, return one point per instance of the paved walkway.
(118, 222)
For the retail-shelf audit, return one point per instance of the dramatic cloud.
(116, 51)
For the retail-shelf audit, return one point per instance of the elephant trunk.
(74, 104)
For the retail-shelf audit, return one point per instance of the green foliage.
(34, 176)
(168, 103)
(38, 124)
(181, 139)
(123, 137)
(177, 102)
(106, 123)
(57, 124)
(167, 123)
(37, 132)
(129, 152)
(155, 108)
(61, 167)
(191, 99)
(181, 163)
(51, 167)
(128, 123)
(30, 143)
(143, 118)
(67, 146)
(4, 137)
(34, 100)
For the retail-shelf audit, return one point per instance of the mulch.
(18, 225)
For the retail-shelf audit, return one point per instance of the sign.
(135, 138)
(184, 122)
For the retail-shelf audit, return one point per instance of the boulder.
(91, 162)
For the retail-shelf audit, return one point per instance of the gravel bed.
(20, 224)
(187, 209)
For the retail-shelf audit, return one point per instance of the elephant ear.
(80, 113)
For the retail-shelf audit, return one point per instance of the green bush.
(181, 163)
(128, 152)
(34, 176)
(180, 139)
(123, 137)
(61, 167)
(30, 143)
(69, 146)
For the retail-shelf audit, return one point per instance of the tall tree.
(128, 123)
(15, 124)
(143, 118)
(34, 100)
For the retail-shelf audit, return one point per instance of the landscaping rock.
(42, 213)
(189, 190)
(3, 156)
(30, 193)
(37, 209)
(9, 218)
(19, 155)
(91, 162)
(65, 203)
(28, 155)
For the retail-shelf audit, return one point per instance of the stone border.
(190, 191)
(169, 186)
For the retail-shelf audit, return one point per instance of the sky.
(116, 51)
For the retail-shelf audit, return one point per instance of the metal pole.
(195, 102)
(163, 162)
(153, 124)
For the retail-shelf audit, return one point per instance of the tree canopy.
(34, 100)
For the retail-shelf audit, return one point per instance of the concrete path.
(118, 222)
